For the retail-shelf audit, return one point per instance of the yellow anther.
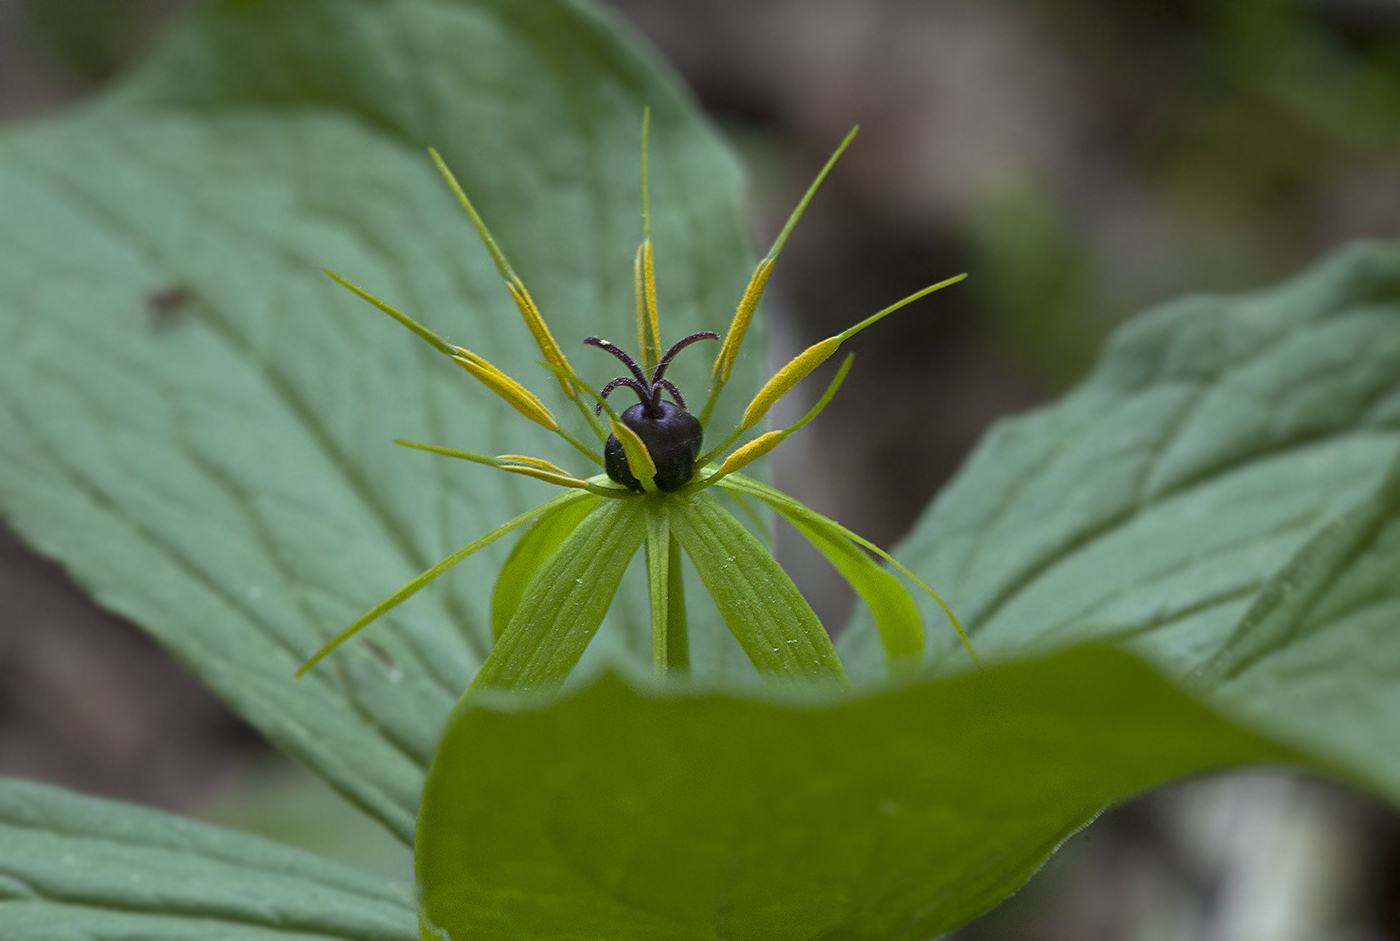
(752, 451)
(543, 338)
(639, 460)
(533, 462)
(561, 478)
(648, 332)
(639, 284)
(507, 388)
(787, 377)
(729, 352)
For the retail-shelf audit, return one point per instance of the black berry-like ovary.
(673, 440)
(671, 434)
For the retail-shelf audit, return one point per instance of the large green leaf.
(78, 869)
(1213, 440)
(196, 422)
(904, 813)
(1317, 659)
(896, 815)
(1265, 516)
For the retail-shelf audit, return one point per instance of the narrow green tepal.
(565, 601)
(658, 550)
(760, 604)
(896, 816)
(530, 552)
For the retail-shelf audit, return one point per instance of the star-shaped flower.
(561, 577)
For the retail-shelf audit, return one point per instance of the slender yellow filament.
(743, 315)
(787, 377)
(533, 461)
(507, 388)
(752, 451)
(639, 283)
(561, 478)
(651, 347)
(543, 338)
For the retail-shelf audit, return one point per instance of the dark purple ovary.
(673, 440)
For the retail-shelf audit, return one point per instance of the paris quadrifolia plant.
(654, 493)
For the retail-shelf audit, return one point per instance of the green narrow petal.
(417, 584)
(760, 604)
(677, 630)
(896, 615)
(565, 601)
(658, 521)
(761, 522)
(794, 510)
(530, 552)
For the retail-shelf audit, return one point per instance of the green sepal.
(529, 553)
(677, 629)
(896, 615)
(564, 603)
(421, 581)
(658, 523)
(758, 601)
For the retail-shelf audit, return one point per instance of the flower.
(560, 579)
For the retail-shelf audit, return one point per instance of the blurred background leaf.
(197, 423)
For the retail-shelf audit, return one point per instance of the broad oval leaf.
(1216, 436)
(894, 816)
(1316, 660)
(196, 422)
(76, 868)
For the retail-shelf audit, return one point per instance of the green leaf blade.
(1216, 436)
(74, 867)
(221, 473)
(1315, 660)
(895, 815)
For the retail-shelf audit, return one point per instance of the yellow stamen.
(648, 331)
(639, 460)
(507, 388)
(752, 451)
(816, 354)
(543, 338)
(561, 478)
(638, 281)
(533, 461)
(729, 352)
(531, 313)
(743, 314)
(787, 377)
(650, 346)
